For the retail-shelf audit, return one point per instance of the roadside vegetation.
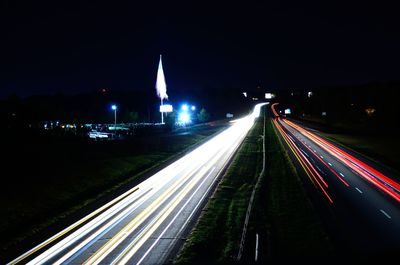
(381, 146)
(45, 180)
(382, 149)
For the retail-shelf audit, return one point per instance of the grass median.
(287, 223)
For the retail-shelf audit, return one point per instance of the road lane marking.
(135, 245)
(329, 164)
(388, 216)
(304, 153)
(103, 251)
(75, 225)
(179, 212)
(321, 157)
(88, 242)
(359, 190)
(303, 164)
(320, 170)
(341, 174)
(315, 151)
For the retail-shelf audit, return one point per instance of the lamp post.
(114, 108)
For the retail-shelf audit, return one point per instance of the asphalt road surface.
(143, 225)
(363, 201)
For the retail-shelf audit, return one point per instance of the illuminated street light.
(114, 108)
(184, 117)
(185, 107)
(193, 108)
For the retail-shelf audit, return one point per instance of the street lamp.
(185, 107)
(114, 108)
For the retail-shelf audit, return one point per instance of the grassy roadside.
(284, 217)
(216, 236)
(383, 149)
(381, 146)
(35, 202)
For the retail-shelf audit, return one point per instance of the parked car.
(99, 135)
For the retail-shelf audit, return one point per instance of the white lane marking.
(329, 164)
(321, 157)
(341, 174)
(359, 190)
(388, 216)
(315, 151)
(304, 153)
(320, 170)
(179, 212)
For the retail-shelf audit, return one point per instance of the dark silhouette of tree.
(203, 115)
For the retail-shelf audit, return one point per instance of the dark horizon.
(51, 48)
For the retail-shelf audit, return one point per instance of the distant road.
(364, 202)
(143, 225)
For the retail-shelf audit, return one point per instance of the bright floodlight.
(193, 107)
(185, 107)
(114, 107)
(269, 95)
(184, 117)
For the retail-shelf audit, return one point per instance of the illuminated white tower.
(161, 86)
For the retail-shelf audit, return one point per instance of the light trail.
(313, 175)
(372, 175)
(378, 179)
(121, 231)
(365, 213)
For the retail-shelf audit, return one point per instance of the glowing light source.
(166, 108)
(114, 108)
(184, 107)
(193, 107)
(268, 95)
(288, 111)
(370, 111)
(184, 117)
(161, 86)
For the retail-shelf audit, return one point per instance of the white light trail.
(160, 194)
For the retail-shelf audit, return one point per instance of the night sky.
(49, 47)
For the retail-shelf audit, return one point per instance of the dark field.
(45, 179)
(381, 145)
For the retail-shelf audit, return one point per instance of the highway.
(143, 225)
(362, 202)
